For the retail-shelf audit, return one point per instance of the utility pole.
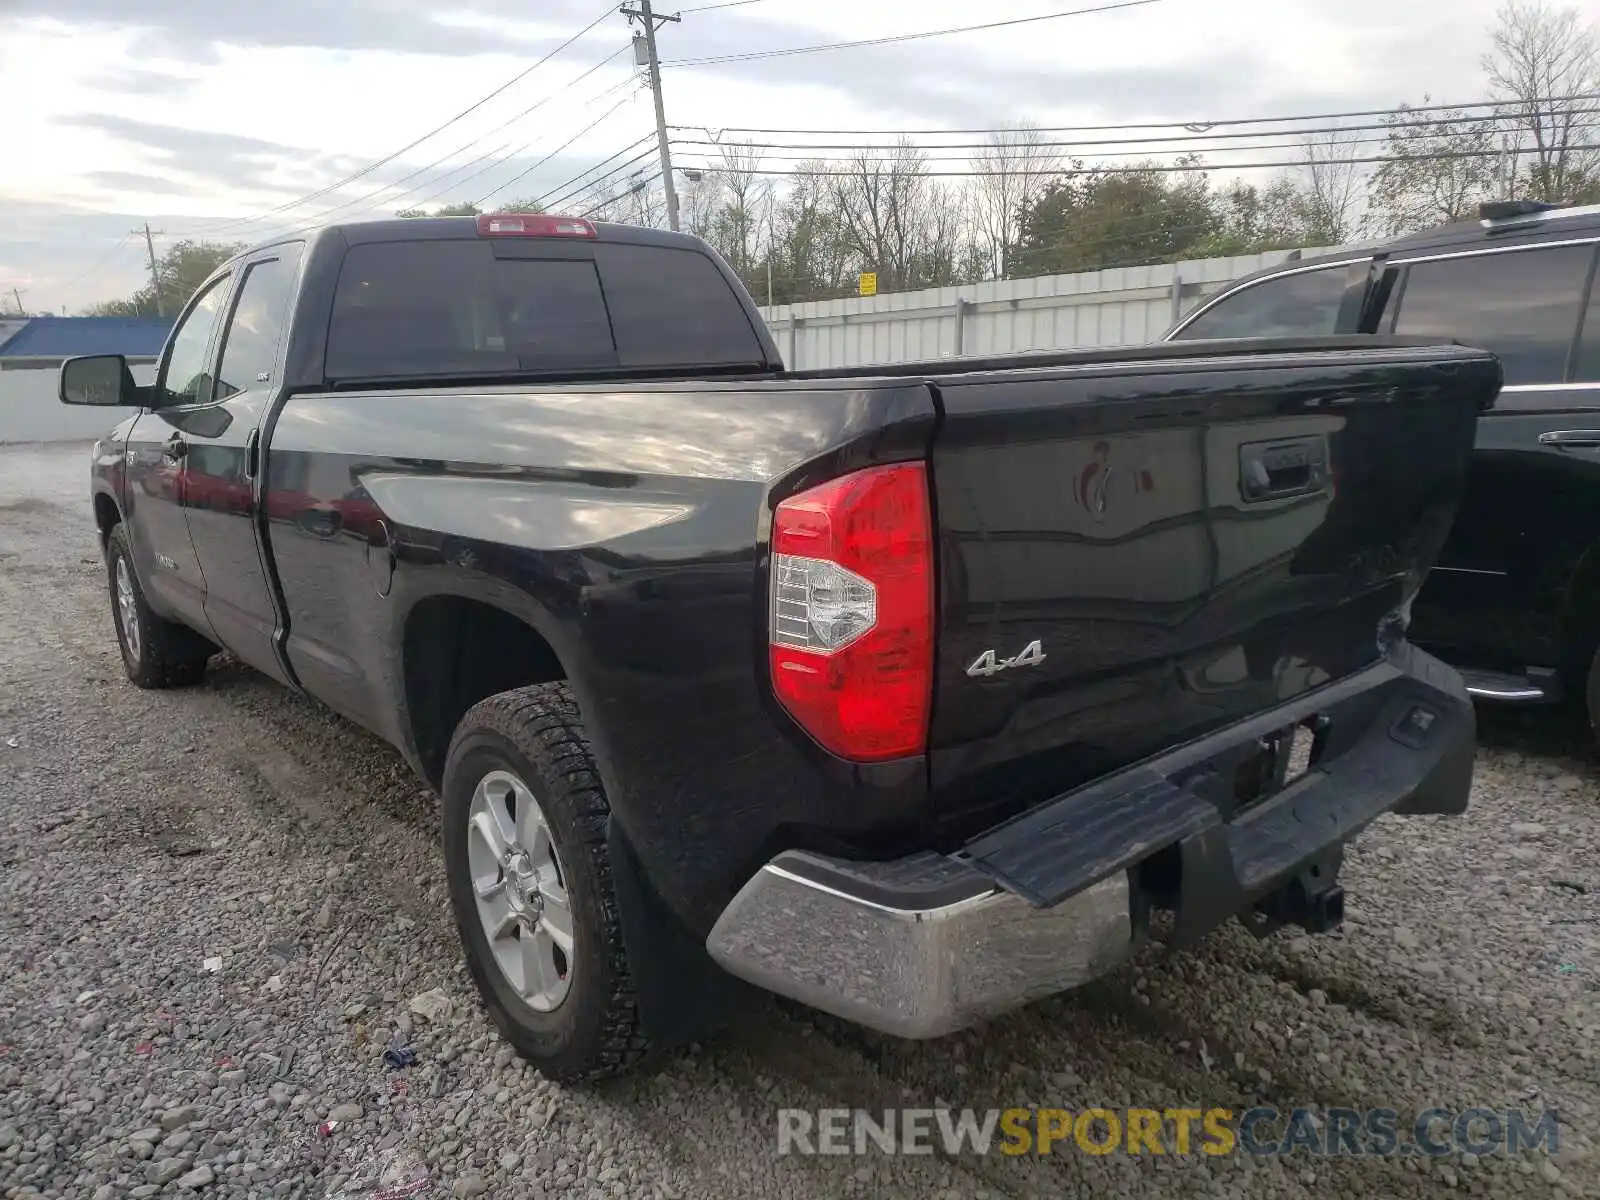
(155, 276)
(651, 60)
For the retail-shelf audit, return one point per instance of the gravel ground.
(219, 906)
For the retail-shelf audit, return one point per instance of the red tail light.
(851, 628)
(533, 225)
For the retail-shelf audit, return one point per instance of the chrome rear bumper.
(1043, 902)
(915, 948)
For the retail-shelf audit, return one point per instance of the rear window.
(673, 308)
(410, 309)
(1305, 303)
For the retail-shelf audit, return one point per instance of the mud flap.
(682, 994)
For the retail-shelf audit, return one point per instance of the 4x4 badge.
(989, 663)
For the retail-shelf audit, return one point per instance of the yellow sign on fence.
(869, 283)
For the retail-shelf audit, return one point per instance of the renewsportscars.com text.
(1434, 1132)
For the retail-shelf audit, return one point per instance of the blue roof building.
(46, 341)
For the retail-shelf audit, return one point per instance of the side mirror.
(98, 379)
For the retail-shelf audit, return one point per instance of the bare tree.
(699, 199)
(1012, 172)
(808, 254)
(898, 221)
(1542, 55)
(943, 249)
(875, 198)
(1436, 168)
(1332, 196)
(738, 224)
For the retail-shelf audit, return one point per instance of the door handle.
(175, 449)
(252, 454)
(1570, 438)
(1277, 470)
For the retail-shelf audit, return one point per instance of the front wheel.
(156, 653)
(530, 881)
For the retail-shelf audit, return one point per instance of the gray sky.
(199, 116)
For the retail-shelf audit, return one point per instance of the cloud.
(135, 181)
(182, 28)
(954, 88)
(960, 81)
(236, 161)
(140, 82)
(176, 141)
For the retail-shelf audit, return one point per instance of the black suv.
(1514, 601)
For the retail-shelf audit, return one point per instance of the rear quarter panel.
(629, 528)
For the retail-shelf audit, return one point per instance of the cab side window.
(184, 376)
(1520, 305)
(250, 346)
(1303, 304)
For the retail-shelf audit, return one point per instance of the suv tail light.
(851, 628)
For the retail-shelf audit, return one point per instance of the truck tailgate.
(1135, 553)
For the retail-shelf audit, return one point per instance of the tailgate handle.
(1280, 469)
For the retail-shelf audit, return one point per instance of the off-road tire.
(537, 734)
(168, 655)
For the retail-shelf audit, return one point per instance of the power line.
(684, 12)
(391, 156)
(1008, 166)
(605, 204)
(1023, 147)
(529, 170)
(903, 37)
(99, 264)
(502, 159)
(594, 175)
(454, 174)
(476, 141)
(1248, 166)
(1193, 126)
(567, 192)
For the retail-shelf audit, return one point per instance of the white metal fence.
(31, 412)
(1120, 307)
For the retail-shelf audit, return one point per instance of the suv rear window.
(455, 307)
(1521, 305)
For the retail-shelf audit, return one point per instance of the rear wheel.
(530, 882)
(156, 653)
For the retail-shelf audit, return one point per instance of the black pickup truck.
(908, 695)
